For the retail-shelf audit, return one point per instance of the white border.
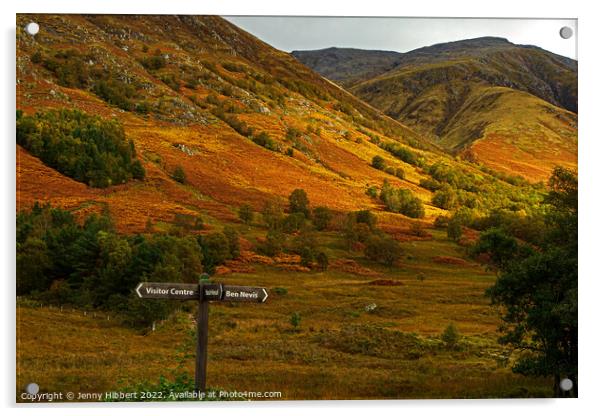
(590, 157)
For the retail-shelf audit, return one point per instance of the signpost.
(203, 293)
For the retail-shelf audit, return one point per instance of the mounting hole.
(566, 384)
(566, 32)
(32, 28)
(32, 388)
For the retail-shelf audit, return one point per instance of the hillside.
(348, 66)
(443, 92)
(204, 150)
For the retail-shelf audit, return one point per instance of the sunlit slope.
(321, 134)
(452, 93)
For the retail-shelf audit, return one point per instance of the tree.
(378, 162)
(538, 290)
(179, 175)
(216, 250)
(84, 147)
(298, 202)
(322, 260)
(383, 249)
(233, 241)
(272, 215)
(246, 214)
(454, 230)
(450, 336)
(445, 198)
(321, 217)
(274, 241)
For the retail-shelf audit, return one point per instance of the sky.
(402, 34)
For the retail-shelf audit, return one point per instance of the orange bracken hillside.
(332, 151)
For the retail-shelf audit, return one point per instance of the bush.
(293, 222)
(441, 221)
(378, 162)
(83, 147)
(179, 175)
(272, 215)
(383, 250)
(366, 217)
(272, 246)
(233, 242)
(116, 93)
(216, 248)
(246, 214)
(445, 198)
(322, 260)
(69, 68)
(298, 202)
(322, 217)
(454, 230)
(295, 320)
(264, 140)
(402, 201)
(400, 173)
(450, 336)
(372, 191)
(155, 62)
(401, 152)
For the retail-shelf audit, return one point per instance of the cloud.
(402, 34)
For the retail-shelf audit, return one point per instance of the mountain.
(471, 96)
(347, 66)
(246, 122)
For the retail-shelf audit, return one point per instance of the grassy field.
(340, 350)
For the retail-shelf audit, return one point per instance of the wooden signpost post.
(203, 293)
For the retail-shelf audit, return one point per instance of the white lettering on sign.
(183, 292)
(242, 294)
(156, 291)
(211, 292)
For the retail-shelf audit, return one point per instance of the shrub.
(273, 243)
(321, 217)
(263, 139)
(272, 215)
(298, 202)
(401, 200)
(400, 173)
(216, 248)
(450, 336)
(233, 241)
(390, 170)
(83, 147)
(383, 250)
(179, 175)
(378, 162)
(372, 191)
(401, 152)
(445, 198)
(454, 230)
(246, 214)
(293, 222)
(430, 184)
(154, 62)
(322, 260)
(295, 320)
(441, 221)
(366, 217)
(69, 68)
(116, 93)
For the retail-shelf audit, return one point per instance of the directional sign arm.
(244, 294)
(163, 290)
